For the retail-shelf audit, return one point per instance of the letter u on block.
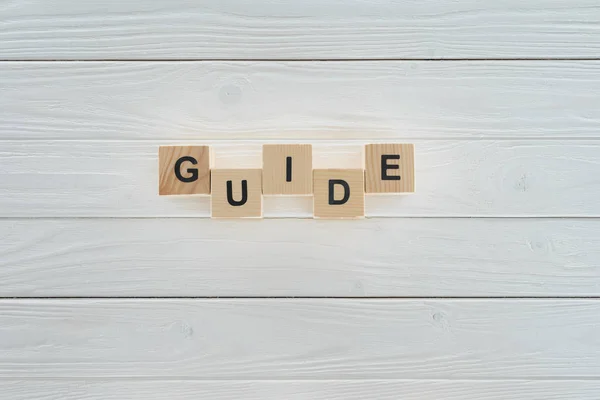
(236, 193)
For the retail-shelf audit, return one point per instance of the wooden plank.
(300, 390)
(331, 29)
(300, 339)
(300, 100)
(376, 257)
(521, 178)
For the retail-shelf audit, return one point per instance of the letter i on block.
(183, 170)
(236, 193)
(287, 169)
(389, 168)
(339, 193)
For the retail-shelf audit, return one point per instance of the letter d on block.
(339, 193)
(345, 186)
(236, 193)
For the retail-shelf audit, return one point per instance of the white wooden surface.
(554, 178)
(406, 389)
(503, 107)
(300, 339)
(300, 100)
(376, 257)
(251, 29)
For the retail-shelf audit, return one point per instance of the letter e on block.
(287, 169)
(389, 168)
(236, 193)
(183, 170)
(339, 193)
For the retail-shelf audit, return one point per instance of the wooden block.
(183, 170)
(287, 169)
(339, 193)
(389, 168)
(236, 193)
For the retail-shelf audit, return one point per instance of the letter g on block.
(184, 170)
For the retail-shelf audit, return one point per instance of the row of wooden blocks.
(287, 170)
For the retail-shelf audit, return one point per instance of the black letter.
(192, 171)
(288, 169)
(244, 194)
(332, 201)
(385, 166)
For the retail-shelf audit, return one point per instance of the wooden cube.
(236, 193)
(389, 168)
(287, 169)
(183, 170)
(339, 193)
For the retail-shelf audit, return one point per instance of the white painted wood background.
(483, 285)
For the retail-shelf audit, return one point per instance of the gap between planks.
(299, 379)
(341, 298)
(353, 141)
(73, 60)
(506, 217)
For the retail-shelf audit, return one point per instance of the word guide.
(287, 169)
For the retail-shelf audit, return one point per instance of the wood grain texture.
(292, 339)
(194, 171)
(300, 100)
(339, 193)
(300, 390)
(374, 257)
(287, 169)
(554, 178)
(236, 193)
(245, 29)
(389, 168)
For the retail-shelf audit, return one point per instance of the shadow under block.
(389, 168)
(183, 170)
(236, 193)
(287, 169)
(339, 193)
